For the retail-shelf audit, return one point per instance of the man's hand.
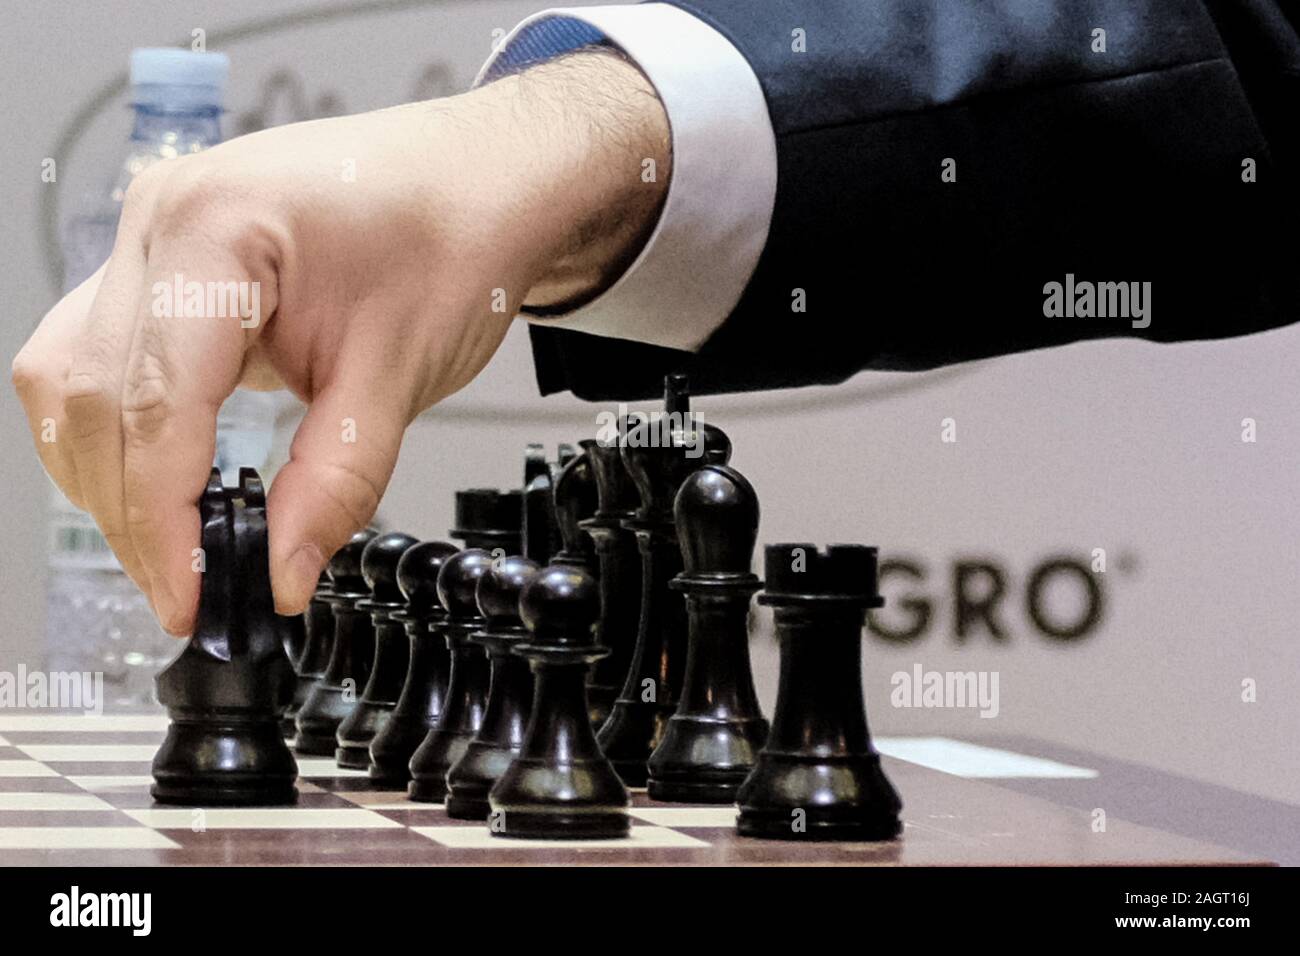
(380, 244)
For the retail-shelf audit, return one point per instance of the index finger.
(182, 366)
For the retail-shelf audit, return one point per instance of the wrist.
(589, 145)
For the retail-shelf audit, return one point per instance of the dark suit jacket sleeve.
(1125, 166)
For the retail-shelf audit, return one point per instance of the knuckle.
(136, 517)
(146, 400)
(146, 406)
(352, 492)
(88, 403)
(28, 374)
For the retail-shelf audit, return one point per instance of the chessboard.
(74, 791)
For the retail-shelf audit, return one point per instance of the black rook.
(818, 777)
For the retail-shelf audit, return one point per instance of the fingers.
(40, 370)
(92, 401)
(340, 463)
(181, 365)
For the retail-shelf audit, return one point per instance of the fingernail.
(302, 571)
(170, 614)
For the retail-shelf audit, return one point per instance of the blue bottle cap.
(167, 78)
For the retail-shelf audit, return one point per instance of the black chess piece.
(489, 519)
(540, 526)
(462, 712)
(559, 786)
(510, 692)
(425, 684)
(227, 688)
(574, 501)
(293, 633)
(712, 741)
(335, 694)
(392, 650)
(620, 571)
(659, 453)
(818, 777)
(315, 658)
(311, 663)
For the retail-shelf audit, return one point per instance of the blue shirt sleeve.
(543, 40)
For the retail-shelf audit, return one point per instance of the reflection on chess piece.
(462, 712)
(559, 786)
(425, 684)
(818, 777)
(335, 694)
(510, 692)
(227, 688)
(620, 572)
(713, 739)
(659, 454)
(392, 650)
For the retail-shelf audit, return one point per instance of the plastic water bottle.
(96, 618)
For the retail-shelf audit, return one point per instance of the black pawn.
(293, 632)
(560, 786)
(392, 651)
(226, 689)
(620, 573)
(462, 712)
(819, 777)
(510, 694)
(425, 684)
(489, 519)
(335, 694)
(315, 658)
(712, 741)
(659, 454)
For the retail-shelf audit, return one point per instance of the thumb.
(340, 462)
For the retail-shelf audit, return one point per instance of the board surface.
(74, 791)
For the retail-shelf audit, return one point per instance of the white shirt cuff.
(716, 215)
